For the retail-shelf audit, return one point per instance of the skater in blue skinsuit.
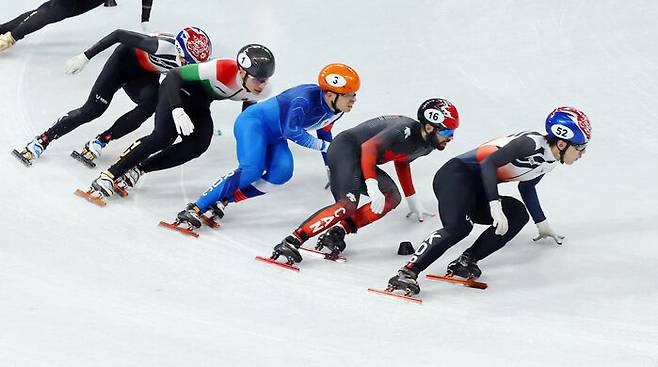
(262, 132)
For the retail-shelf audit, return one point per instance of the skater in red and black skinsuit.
(50, 12)
(353, 158)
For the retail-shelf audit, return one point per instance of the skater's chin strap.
(333, 104)
(563, 152)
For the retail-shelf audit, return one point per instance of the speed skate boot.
(92, 149)
(6, 41)
(128, 180)
(217, 210)
(32, 151)
(288, 248)
(404, 281)
(465, 266)
(102, 187)
(333, 239)
(190, 216)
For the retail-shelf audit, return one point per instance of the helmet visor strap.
(580, 147)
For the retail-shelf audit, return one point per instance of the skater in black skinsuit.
(467, 190)
(50, 12)
(134, 66)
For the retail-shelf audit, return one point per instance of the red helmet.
(439, 113)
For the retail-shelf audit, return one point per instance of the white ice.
(87, 286)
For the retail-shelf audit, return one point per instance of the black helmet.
(257, 60)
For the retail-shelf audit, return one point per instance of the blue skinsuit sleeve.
(531, 200)
(325, 134)
(293, 126)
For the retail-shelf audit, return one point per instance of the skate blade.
(210, 222)
(82, 159)
(277, 263)
(324, 255)
(20, 157)
(120, 191)
(96, 200)
(471, 283)
(175, 227)
(405, 297)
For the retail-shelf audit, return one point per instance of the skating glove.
(328, 185)
(499, 218)
(145, 27)
(377, 199)
(75, 64)
(546, 231)
(417, 209)
(184, 125)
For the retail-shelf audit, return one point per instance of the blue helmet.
(194, 45)
(569, 124)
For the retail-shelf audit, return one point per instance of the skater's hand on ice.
(546, 231)
(75, 64)
(499, 218)
(416, 209)
(328, 185)
(377, 199)
(184, 125)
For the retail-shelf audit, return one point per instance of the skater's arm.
(146, 10)
(403, 170)
(325, 134)
(128, 38)
(293, 126)
(517, 148)
(174, 83)
(531, 200)
(374, 147)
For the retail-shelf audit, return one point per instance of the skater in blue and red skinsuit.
(262, 133)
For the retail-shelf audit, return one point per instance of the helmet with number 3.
(569, 124)
(339, 78)
(439, 113)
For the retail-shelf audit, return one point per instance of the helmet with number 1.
(194, 45)
(257, 60)
(339, 78)
(569, 124)
(439, 113)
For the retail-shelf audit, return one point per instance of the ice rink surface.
(87, 286)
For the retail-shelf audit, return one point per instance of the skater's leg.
(489, 242)
(190, 147)
(144, 92)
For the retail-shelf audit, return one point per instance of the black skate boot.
(190, 216)
(217, 210)
(465, 266)
(333, 239)
(404, 281)
(288, 248)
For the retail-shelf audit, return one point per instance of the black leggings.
(49, 12)
(196, 104)
(120, 71)
(462, 202)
